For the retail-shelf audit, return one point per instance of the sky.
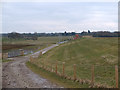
(59, 16)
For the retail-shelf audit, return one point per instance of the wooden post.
(63, 68)
(31, 58)
(51, 68)
(56, 67)
(43, 63)
(74, 71)
(40, 54)
(0, 55)
(47, 66)
(116, 75)
(22, 52)
(92, 76)
(6, 55)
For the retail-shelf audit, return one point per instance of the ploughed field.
(85, 52)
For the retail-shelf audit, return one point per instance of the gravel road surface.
(15, 74)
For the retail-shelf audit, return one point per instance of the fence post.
(0, 55)
(92, 76)
(51, 68)
(116, 75)
(31, 58)
(43, 64)
(74, 71)
(40, 54)
(56, 67)
(63, 68)
(6, 55)
(22, 52)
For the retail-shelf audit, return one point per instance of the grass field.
(85, 52)
(41, 40)
(20, 43)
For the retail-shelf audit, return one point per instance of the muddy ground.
(14, 46)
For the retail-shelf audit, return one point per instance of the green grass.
(54, 78)
(85, 52)
(42, 42)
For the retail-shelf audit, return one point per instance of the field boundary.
(91, 82)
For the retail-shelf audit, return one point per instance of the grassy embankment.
(84, 52)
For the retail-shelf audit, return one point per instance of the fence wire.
(104, 75)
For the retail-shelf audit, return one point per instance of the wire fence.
(94, 75)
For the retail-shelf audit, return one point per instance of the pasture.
(85, 52)
(43, 42)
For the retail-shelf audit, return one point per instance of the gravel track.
(15, 74)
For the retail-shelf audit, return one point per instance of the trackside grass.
(54, 78)
(85, 52)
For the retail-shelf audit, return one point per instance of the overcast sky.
(59, 16)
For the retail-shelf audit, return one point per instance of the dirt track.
(17, 75)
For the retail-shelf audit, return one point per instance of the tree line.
(34, 36)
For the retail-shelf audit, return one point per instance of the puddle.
(17, 52)
(27, 50)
